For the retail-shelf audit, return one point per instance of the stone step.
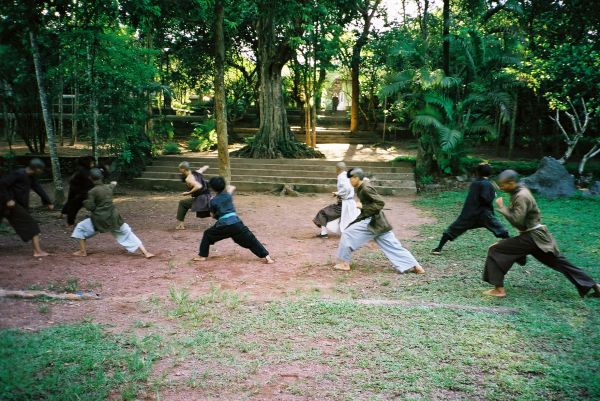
(300, 179)
(172, 173)
(251, 186)
(284, 168)
(204, 160)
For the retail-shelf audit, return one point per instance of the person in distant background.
(335, 101)
(79, 185)
(198, 192)
(477, 212)
(14, 202)
(105, 218)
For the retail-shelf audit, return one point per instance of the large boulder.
(551, 179)
(595, 188)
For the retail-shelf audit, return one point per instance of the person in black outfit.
(477, 211)
(14, 202)
(228, 224)
(79, 185)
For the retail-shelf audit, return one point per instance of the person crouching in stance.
(105, 218)
(533, 239)
(372, 224)
(228, 224)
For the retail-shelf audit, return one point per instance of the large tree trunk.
(513, 124)
(446, 45)
(354, 77)
(59, 195)
(220, 101)
(93, 101)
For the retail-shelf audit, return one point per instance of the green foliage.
(72, 362)
(171, 148)
(204, 137)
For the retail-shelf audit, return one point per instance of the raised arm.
(515, 214)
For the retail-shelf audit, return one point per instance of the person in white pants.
(105, 218)
(372, 224)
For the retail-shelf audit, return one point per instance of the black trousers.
(501, 257)
(22, 222)
(461, 225)
(327, 214)
(238, 232)
(72, 207)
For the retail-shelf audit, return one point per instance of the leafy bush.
(171, 148)
(204, 137)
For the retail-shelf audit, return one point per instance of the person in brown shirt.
(371, 224)
(533, 239)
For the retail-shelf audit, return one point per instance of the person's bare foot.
(495, 293)
(269, 260)
(149, 255)
(596, 293)
(199, 259)
(180, 226)
(79, 253)
(40, 254)
(417, 270)
(342, 266)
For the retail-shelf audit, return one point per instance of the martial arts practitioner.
(228, 224)
(14, 202)
(477, 212)
(372, 224)
(105, 218)
(534, 239)
(344, 210)
(198, 193)
(79, 186)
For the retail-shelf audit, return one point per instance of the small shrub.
(426, 180)
(171, 148)
(204, 137)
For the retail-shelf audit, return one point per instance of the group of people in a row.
(367, 221)
(357, 222)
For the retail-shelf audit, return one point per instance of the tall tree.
(446, 34)
(220, 97)
(59, 194)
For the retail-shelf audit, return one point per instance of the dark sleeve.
(5, 183)
(375, 204)
(487, 193)
(37, 188)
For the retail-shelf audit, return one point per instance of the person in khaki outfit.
(105, 218)
(533, 239)
(372, 224)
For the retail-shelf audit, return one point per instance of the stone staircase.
(260, 175)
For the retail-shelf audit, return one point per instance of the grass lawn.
(444, 340)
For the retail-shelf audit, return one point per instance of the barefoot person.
(228, 224)
(372, 224)
(344, 209)
(477, 212)
(79, 186)
(14, 202)
(198, 193)
(534, 239)
(105, 218)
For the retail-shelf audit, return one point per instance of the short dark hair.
(37, 164)
(217, 183)
(356, 172)
(85, 161)
(484, 170)
(96, 174)
(508, 176)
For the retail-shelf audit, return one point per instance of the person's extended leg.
(501, 256)
(182, 209)
(74, 206)
(400, 257)
(246, 239)
(26, 228)
(37, 249)
(353, 238)
(574, 274)
(83, 230)
(210, 237)
(128, 240)
(325, 215)
(454, 230)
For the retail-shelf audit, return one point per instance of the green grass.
(73, 362)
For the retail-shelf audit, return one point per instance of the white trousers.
(349, 213)
(124, 236)
(358, 234)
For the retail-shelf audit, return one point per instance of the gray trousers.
(358, 234)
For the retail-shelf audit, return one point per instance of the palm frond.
(449, 138)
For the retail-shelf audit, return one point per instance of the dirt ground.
(125, 281)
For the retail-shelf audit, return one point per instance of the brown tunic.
(523, 213)
(372, 206)
(105, 216)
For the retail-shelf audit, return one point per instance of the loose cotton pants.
(124, 236)
(358, 234)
